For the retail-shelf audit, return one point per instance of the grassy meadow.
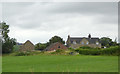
(60, 63)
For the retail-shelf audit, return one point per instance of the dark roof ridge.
(28, 41)
(85, 37)
(78, 37)
(95, 38)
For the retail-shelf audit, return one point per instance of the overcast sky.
(39, 21)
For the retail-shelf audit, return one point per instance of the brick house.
(76, 42)
(27, 46)
(56, 46)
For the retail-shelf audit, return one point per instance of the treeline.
(8, 43)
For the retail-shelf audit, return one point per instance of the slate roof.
(78, 39)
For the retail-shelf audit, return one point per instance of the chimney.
(89, 36)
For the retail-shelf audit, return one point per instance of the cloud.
(42, 20)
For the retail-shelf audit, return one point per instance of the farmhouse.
(27, 46)
(56, 46)
(75, 42)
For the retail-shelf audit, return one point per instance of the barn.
(27, 46)
(56, 46)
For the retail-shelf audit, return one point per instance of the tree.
(107, 42)
(40, 46)
(5, 31)
(37, 46)
(7, 42)
(55, 39)
(114, 43)
(8, 45)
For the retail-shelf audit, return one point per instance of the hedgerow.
(95, 51)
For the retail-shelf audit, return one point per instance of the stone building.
(56, 46)
(27, 46)
(76, 42)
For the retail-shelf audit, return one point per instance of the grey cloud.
(86, 7)
(62, 18)
(42, 12)
(107, 10)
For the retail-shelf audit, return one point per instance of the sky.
(39, 21)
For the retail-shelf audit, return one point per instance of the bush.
(85, 47)
(53, 53)
(70, 48)
(89, 52)
(72, 53)
(111, 51)
(59, 51)
(23, 54)
(108, 51)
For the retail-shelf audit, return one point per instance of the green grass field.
(60, 63)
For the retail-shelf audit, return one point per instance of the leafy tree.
(7, 42)
(55, 39)
(114, 43)
(5, 31)
(118, 44)
(37, 46)
(40, 46)
(8, 45)
(105, 41)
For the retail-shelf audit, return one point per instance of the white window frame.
(82, 43)
(97, 43)
(87, 43)
(74, 42)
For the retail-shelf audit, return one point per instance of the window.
(97, 43)
(58, 46)
(74, 42)
(82, 42)
(87, 43)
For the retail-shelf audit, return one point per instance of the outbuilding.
(56, 46)
(27, 46)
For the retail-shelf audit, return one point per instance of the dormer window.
(97, 43)
(74, 42)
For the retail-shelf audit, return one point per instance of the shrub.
(112, 50)
(23, 54)
(70, 49)
(72, 53)
(108, 51)
(85, 47)
(59, 51)
(53, 53)
(89, 52)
